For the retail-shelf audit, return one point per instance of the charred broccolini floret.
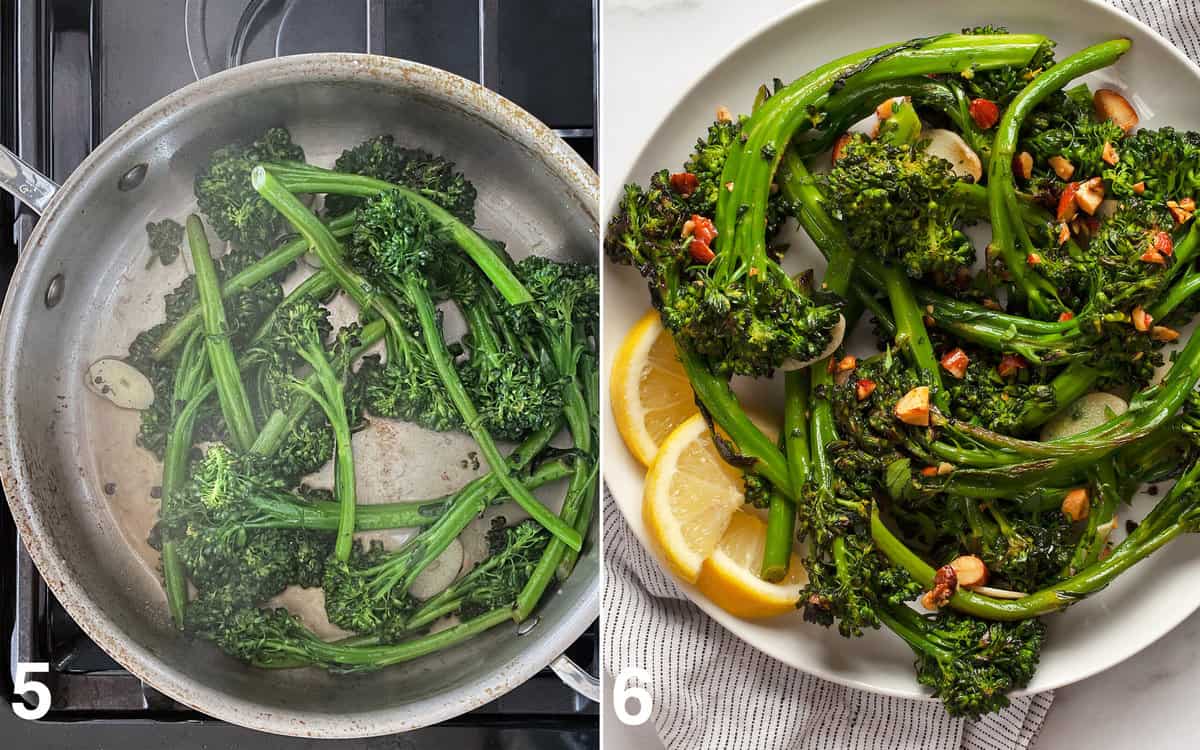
(743, 316)
(902, 204)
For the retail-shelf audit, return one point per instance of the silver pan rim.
(454, 91)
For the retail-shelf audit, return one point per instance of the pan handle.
(576, 678)
(27, 185)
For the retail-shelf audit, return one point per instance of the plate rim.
(1122, 20)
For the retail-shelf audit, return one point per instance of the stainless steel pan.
(80, 292)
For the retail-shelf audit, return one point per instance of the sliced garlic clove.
(948, 145)
(1090, 410)
(120, 383)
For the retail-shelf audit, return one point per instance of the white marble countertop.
(1149, 700)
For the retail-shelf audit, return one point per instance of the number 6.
(623, 692)
(22, 685)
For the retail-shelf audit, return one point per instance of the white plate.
(1145, 602)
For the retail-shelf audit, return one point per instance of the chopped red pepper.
(1063, 317)
(1067, 208)
(929, 471)
(1033, 259)
(955, 362)
(684, 183)
(1010, 363)
(864, 388)
(701, 252)
(984, 112)
(1163, 244)
(703, 229)
(1153, 256)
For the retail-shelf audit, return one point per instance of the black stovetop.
(72, 72)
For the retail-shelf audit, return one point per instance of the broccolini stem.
(781, 513)
(715, 395)
(565, 346)
(911, 335)
(776, 121)
(1054, 598)
(323, 515)
(192, 366)
(1104, 488)
(583, 522)
(269, 265)
(312, 651)
(1178, 294)
(1069, 385)
(582, 486)
(905, 622)
(231, 392)
(435, 345)
(333, 401)
(1002, 194)
(305, 178)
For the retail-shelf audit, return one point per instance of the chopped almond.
(944, 468)
(955, 362)
(1033, 259)
(729, 186)
(689, 226)
(1067, 207)
(838, 146)
(1141, 319)
(1010, 364)
(1180, 211)
(723, 114)
(1063, 168)
(864, 388)
(984, 112)
(1066, 315)
(1089, 195)
(1109, 154)
(1023, 165)
(970, 571)
(847, 363)
(1076, 504)
(1162, 333)
(1112, 106)
(913, 407)
(945, 583)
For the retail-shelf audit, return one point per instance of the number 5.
(23, 685)
(623, 692)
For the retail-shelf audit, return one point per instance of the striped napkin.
(711, 690)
